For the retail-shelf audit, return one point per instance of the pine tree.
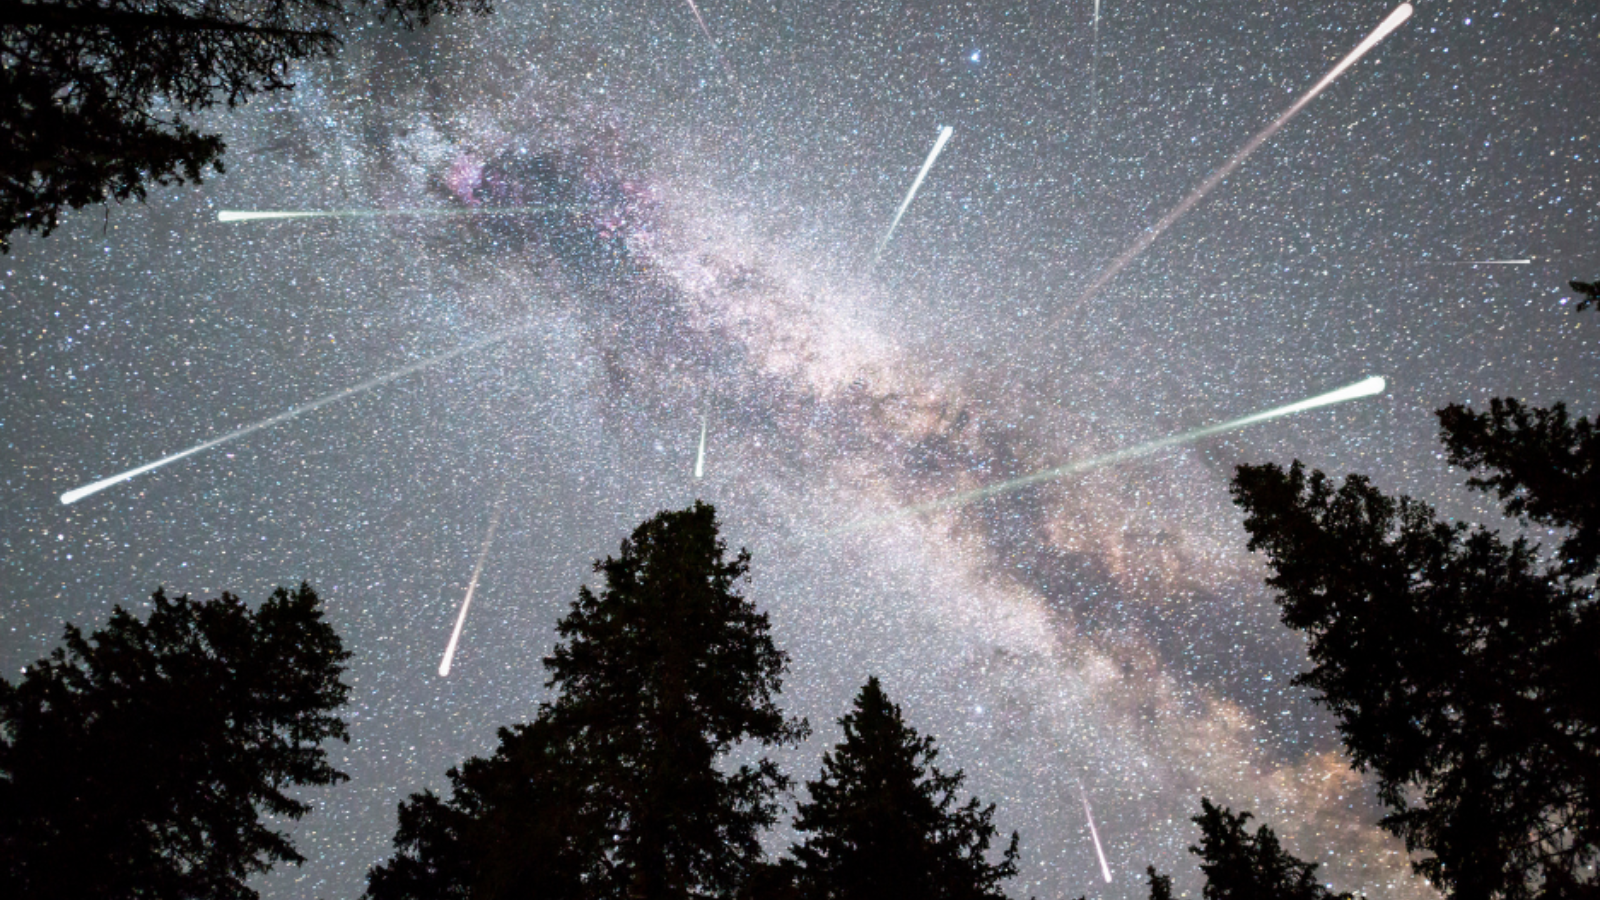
(137, 761)
(93, 94)
(620, 788)
(1461, 667)
(1239, 865)
(515, 825)
(883, 822)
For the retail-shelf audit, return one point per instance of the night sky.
(696, 245)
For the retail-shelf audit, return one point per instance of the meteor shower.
(1063, 369)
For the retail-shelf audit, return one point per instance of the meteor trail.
(244, 215)
(1388, 25)
(703, 29)
(73, 496)
(1488, 262)
(944, 135)
(472, 587)
(700, 457)
(1365, 388)
(1094, 77)
(1095, 833)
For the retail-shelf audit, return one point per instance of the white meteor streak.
(700, 457)
(1088, 813)
(73, 496)
(703, 29)
(1387, 26)
(1364, 388)
(1094, 76)
(472, 587)
(244, 215)
(944, 135)
(1488, 262)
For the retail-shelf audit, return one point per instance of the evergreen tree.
(515, 825)
(93, 92)
(1589, 291)
(1461, 667)
(619, 788)
(136, 762)
(883, 822)
(1239, 865)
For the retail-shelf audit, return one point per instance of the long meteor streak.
(73, 496)
(472, 588)
(1487, 262)
(944, 135)
(1387, 26)
(1365, 388)
(700, 456)
(1088, 813)
(256, 215)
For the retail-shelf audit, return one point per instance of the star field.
(699, 246)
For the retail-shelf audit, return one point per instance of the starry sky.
(694, 244)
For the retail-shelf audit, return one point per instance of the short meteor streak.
(1487, 262)
(472, 588)
(1384, 29)
(260, 215)
(73, 496)
(944, 136)
(1365, 388)
(1088, 813)
(700, 457)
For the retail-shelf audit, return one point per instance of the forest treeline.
(1462, 667)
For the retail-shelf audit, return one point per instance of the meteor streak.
(73, 496)
(1088, 813)
(1488, 262)
(700, 457)
(1094, 77)
(1365, 388)
(1387, 26)
(242, 215)
(472, 587)
(944, 135)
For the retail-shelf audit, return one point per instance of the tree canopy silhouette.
(93, 93)
(137, 761)
(1461, 667)
(1589, 291)
(883, 822)
(621, 784)
(1239, 865)
(515, 824)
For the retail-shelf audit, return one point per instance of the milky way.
(682, 237)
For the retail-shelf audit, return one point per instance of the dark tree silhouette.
(1590, 293)
(515, 825)
(137, 762)
(1239, 865)
(620, 787)
(1461, 668)
(1541, 465)
(93, 92)
(882, 822)
(1160, 885)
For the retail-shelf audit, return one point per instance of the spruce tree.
(883, 823)
(137, 761)
(620, 788)
(515, 825)
(1461, 666)
(1239, 865)
(93, 93)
